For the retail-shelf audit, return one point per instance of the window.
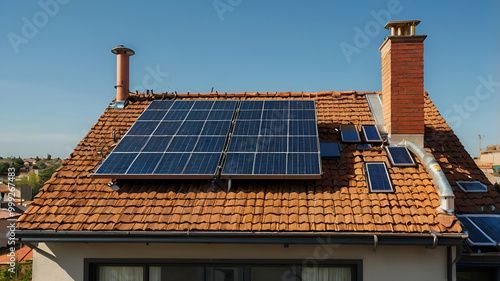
(220, 270)
(472, 186)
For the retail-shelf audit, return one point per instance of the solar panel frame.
(371, 181)
(330, 150)
(349, 133)
(489, 224)
(477, 237)
(463, 185)
(371, 133)
(396, 153)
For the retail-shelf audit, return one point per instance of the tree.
(49, 156)
(37, 159)
(22, 181)
(33, 179)
(4, 167)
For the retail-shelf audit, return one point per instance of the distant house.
(269, 186)
(489, 162)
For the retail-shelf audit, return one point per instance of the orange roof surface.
(340, 201)
(22, 255)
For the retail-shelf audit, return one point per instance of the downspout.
(432, 166)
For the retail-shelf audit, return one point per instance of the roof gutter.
(346, 238)
(432, 166)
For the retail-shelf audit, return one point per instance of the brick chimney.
(403, 82)
(122, 72)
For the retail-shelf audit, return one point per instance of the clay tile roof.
(22, 255)
(340, 201)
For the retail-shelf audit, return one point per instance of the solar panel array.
(378, 177)
(191, 139)
(371, 133)
(399, 156)
(330, 150)
(483, 230)
(472, 186)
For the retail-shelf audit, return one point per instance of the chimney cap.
(120, 49)
(401, 23)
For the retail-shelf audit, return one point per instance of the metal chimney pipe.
(122, 72)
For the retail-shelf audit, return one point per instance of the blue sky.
(57, 72)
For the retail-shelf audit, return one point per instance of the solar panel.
(330, 150)
(190, 139)
(399, 156)
(371, 133)
(378, 177)
(479, 228)
(472, 186)
(363, 146)
(349, 133)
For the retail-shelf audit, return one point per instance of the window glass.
(121, 273)
(268, 273)
(176, 273)
(225, 274)
(326, 273)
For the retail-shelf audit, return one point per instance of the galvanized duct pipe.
(445, 191)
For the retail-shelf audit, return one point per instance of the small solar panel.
(349, 133)
(483, 230)
(399, 156)
(472, 186)
(197, 139)
(371, 133)
(330, 150)
(378, 177)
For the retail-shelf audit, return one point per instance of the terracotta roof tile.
(340, 201)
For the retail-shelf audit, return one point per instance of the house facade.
(351, 222)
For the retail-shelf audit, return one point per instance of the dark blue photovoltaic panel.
(191, 128)
(172, 163)
(225, 105)
(378, 178)
(275, 114)
(303, 128)
(272, 144)
(152, 115)
(216, 128)
(400, 156)
(142, 128)
(270, 164)
(182, 144)
(252, 105)
(275, 105)
(243, 144)
(202, 164)
(489, 224)
(210, 144)
(246, 128)
(302, 114)
(182, 105)
(160, 105)
(176, 115)
(476, 236)
(239, 163)
(472, 186)
(116, 163)
(131, 144)
(250, 115)
(303, 163)
(187, 138)
(167, 128)
(145, 163)
(330, 150)
(349, 133)
(302, 104)
(203, 105)
(303, 144)
(198, 115)
(274, 127)
(221, 115)
(157, 144)
(371, 133)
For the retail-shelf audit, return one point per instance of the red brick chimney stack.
(403, 81)
(122, 72)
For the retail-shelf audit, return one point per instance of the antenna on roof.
(211, 91)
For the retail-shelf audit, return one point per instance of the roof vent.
(122, 72)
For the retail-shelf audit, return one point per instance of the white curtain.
(121, 273)
(326, 274)
(155, 273)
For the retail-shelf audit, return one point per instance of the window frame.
(91, 265)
